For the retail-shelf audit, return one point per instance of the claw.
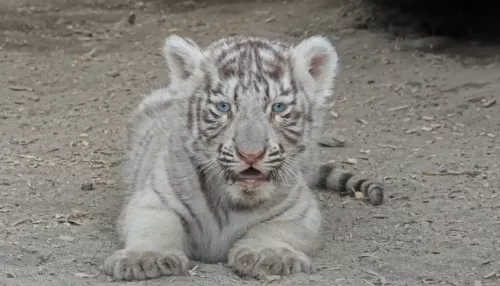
(131, 265)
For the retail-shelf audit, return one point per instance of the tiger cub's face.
(252, 108)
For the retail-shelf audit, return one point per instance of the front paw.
(130, 265)
(268, 261)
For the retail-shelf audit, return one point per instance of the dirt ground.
(419, 114)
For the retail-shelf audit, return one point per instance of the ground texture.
(418, 113)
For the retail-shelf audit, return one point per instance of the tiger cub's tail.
(345, 182)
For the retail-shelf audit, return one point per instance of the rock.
(489, 103)
(139, 5)
(131, 18)
(87, 187)
(113, 73)
(67, 238)
(330, 140)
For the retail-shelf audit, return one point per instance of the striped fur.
(347, 183)
(184, 199)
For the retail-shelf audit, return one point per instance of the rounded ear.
(315, 58)
(183, 57)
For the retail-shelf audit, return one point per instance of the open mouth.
(251, 176)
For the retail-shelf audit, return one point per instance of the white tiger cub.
(220, 162)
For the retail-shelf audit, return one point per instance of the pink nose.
(251, 158)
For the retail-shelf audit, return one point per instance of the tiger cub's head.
(251, 105)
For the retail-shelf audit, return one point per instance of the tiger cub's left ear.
(315, 62)
(183, 57)
(185, 60)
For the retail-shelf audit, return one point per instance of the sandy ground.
(424, 122)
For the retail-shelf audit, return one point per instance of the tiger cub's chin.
(245, 196)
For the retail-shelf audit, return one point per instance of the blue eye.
(279, 107)
(223, 106)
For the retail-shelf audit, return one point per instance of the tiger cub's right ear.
(183, 57)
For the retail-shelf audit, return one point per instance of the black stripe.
(218, 132)
(344, 177)
(304, 212)
(287, 137)
(209, 199)
(183, 220)
(184, 201)
(223, 160)
(212, 128)
(227, 154)
(274, 153)
(300, 148)
(357, 186)
(235, 92)
(274, 161)
(294, 133)
(222, 56)
(144, 144)
(308, 111)
(213, 113)
(286, 207)
(256, 86)
(241, 64)
(209, 121)
(190, 116)
(365, 187)
(209, 99)
(266, 89)
(282, 149)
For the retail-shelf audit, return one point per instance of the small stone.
(139, 5)
(331, 141)
(361, 121)
(490, 275)
(131, 18)
(491, 135)
(20, 88)
(411, 131)
(84, 275)
(90, 54)
(34, 98)
(359, 195)
(475, 99)
(296, 33)
(397, 108)
(113, 73)
(489, 103)
(87, 187)
(425, 128)
(67, 238)
(270, 19)
(352, 161)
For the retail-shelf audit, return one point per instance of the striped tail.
(345, 182)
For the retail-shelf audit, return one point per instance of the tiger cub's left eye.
(279, 107)
(223, 106)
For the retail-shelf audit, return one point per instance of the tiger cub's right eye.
(279, 107)
(223, 106)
